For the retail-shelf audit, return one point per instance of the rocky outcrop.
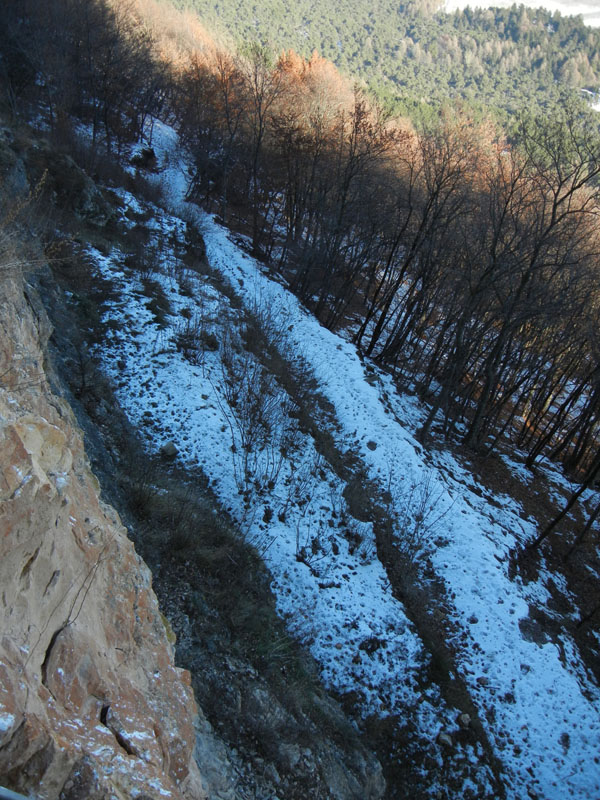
(91, 704)
(66, 186)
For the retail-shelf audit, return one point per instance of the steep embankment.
(191, 377)
(89, 694)
(91, 703)
(232, 384)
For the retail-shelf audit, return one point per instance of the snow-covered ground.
(539, 710)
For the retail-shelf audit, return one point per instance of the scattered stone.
(169, 451)
(464, 720)
(445, 739)
(372, 445)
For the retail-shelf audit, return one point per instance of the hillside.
(418, 57)
(587, 9)
(373, 546)
(367, 586)
(91, 703)
(338, 374)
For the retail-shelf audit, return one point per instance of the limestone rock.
(91, 704)
(13, 177)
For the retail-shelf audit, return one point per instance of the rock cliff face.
(91, 704)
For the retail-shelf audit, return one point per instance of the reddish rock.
(91, 704)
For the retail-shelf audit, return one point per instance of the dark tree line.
(90, 60)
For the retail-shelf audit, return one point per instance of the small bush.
(417, 523)
(146, 188)
(192, 339)
(159, 303)
(142, 258)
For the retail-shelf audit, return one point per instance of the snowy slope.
(541, 715)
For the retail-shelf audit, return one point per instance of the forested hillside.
(329, 310)
(416, 56)
(461, 260)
